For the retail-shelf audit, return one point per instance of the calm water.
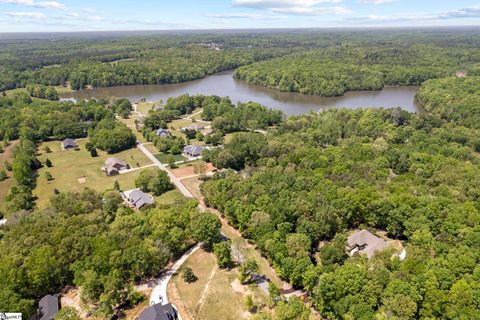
(223, 84)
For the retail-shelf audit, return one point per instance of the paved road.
(159, 293)
(174, 179)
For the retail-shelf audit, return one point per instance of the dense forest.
(334, 70)
(343, 60)
(413, 175)
(91, 240)
(126, 60)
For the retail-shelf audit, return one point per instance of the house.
(69, 144)
(163, 133)
(194, 126)
(48, 307)
(159, 312)
(136, 198)
(364, 242)
(113, 166)
(207, 132)
(193, 151)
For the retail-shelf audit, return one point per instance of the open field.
(7, 155)
(75, 170)
(216, 294)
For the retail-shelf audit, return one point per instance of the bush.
(48, 176)
(8, 165)
(223, 254)
(188, 275)
(48, 163)
(93, 152)
(3, 175)
(47, 149)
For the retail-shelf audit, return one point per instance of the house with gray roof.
(194, 126)
(159, 312)
(193, 151)
(364, 243)
(48, 307)
(69, 144)
(136, 198)
(113, 166)
(163, 133)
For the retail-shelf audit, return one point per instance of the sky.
(103, 15)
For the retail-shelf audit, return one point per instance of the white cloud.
(29, 15)
(376, 1)
(94, 18)
(269, 4)
(31, 3)
(299, 7)
(464, 13)
(89, 10)
(251, 16)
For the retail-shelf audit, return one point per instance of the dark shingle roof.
(48, 307)
(159, 312)
(193, 150)
(69, 143)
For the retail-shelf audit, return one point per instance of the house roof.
(163, 132)
(370, 242)
(195, 126)
(69, 143)
(115, 161)
(137, 197)
(159, 312)
(48, 307)
(193, 150)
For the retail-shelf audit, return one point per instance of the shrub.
(48, 163)
(3, 175)
(188, 275)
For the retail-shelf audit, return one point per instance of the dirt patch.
(205, 290)
(238, 287)
(188, 171)
(71, 298)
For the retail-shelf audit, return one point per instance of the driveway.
(159, 293)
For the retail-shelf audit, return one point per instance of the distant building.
(113, 166)
(69, 144)
(163, 133)
(207, 132)
(159, 312)
(364, 242)
(193, 151)
(136, 198)
(48, 307)
(194, 126)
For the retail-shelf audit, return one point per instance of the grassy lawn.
(145, 107)
(151, 147)
(180, 123)
(169, 198)
(163, 157)
(70, 166)
(5, 185)
(215, 295)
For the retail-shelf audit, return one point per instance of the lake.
(223, 84)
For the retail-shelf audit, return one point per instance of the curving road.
(174, 179)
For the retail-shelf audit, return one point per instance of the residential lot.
(217, 294)
(76, 170)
